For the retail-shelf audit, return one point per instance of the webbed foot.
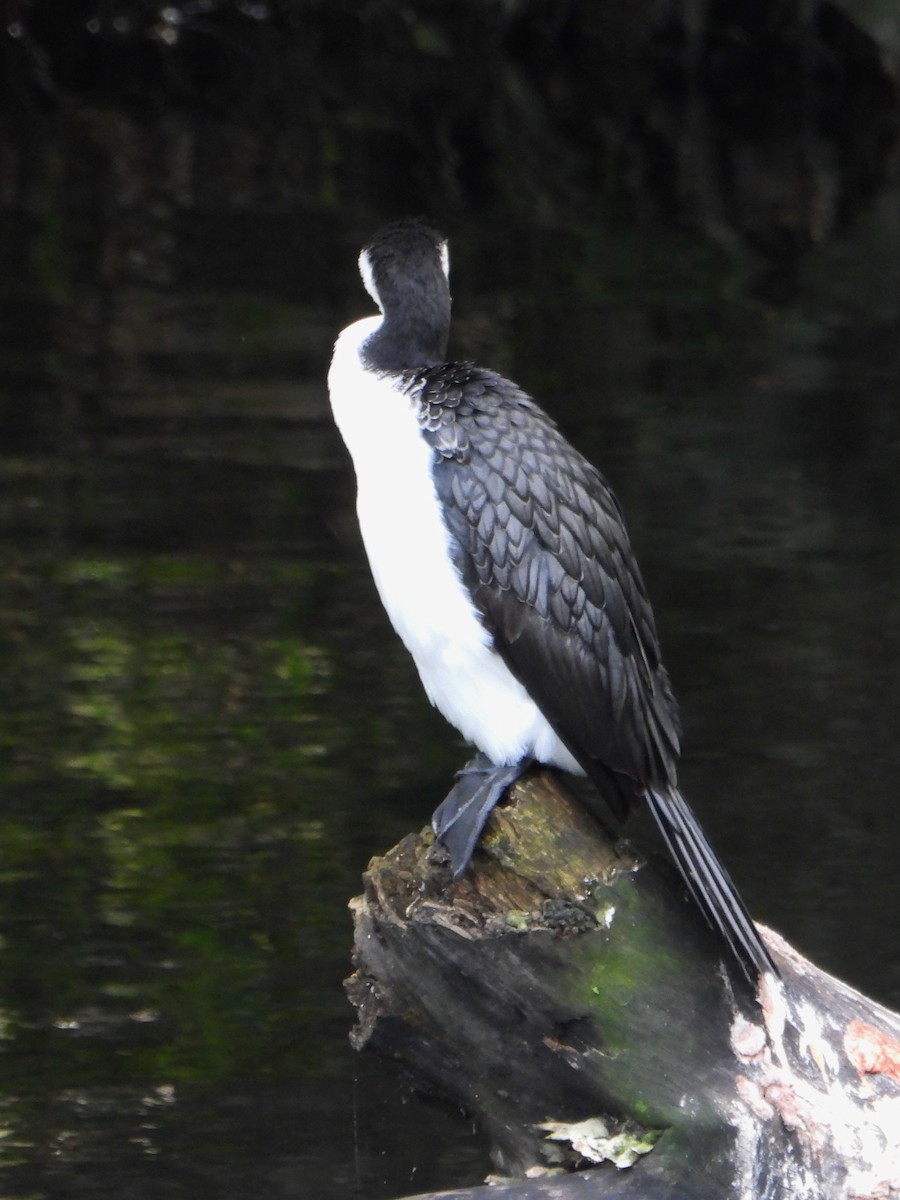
(460, 817)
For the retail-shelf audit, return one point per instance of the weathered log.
(567, 995)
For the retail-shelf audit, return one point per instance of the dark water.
(207, 727)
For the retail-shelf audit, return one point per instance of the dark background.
(677, 225)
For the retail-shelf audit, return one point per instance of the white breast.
(407, 544)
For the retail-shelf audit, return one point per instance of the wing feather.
(542, 547)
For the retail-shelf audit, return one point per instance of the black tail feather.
(708, 882)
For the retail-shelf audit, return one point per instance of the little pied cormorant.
(513, 584)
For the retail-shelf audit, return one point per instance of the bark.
(568, 996)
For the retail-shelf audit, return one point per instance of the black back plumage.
(540, 543)
(539, 540)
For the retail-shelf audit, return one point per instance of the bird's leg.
(459, 819)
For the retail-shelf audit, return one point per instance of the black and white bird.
(502, 559)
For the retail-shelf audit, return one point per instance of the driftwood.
(570, 998)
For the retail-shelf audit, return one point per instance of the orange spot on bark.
(871, 1050)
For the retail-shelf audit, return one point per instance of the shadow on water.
(207, 726)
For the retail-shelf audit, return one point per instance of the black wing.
(542, 547)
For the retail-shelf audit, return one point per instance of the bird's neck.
(408, 339)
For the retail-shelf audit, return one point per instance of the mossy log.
(567, 995)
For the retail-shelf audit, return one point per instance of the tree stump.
(570, 997)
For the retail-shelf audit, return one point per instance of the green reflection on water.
(172, 879)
